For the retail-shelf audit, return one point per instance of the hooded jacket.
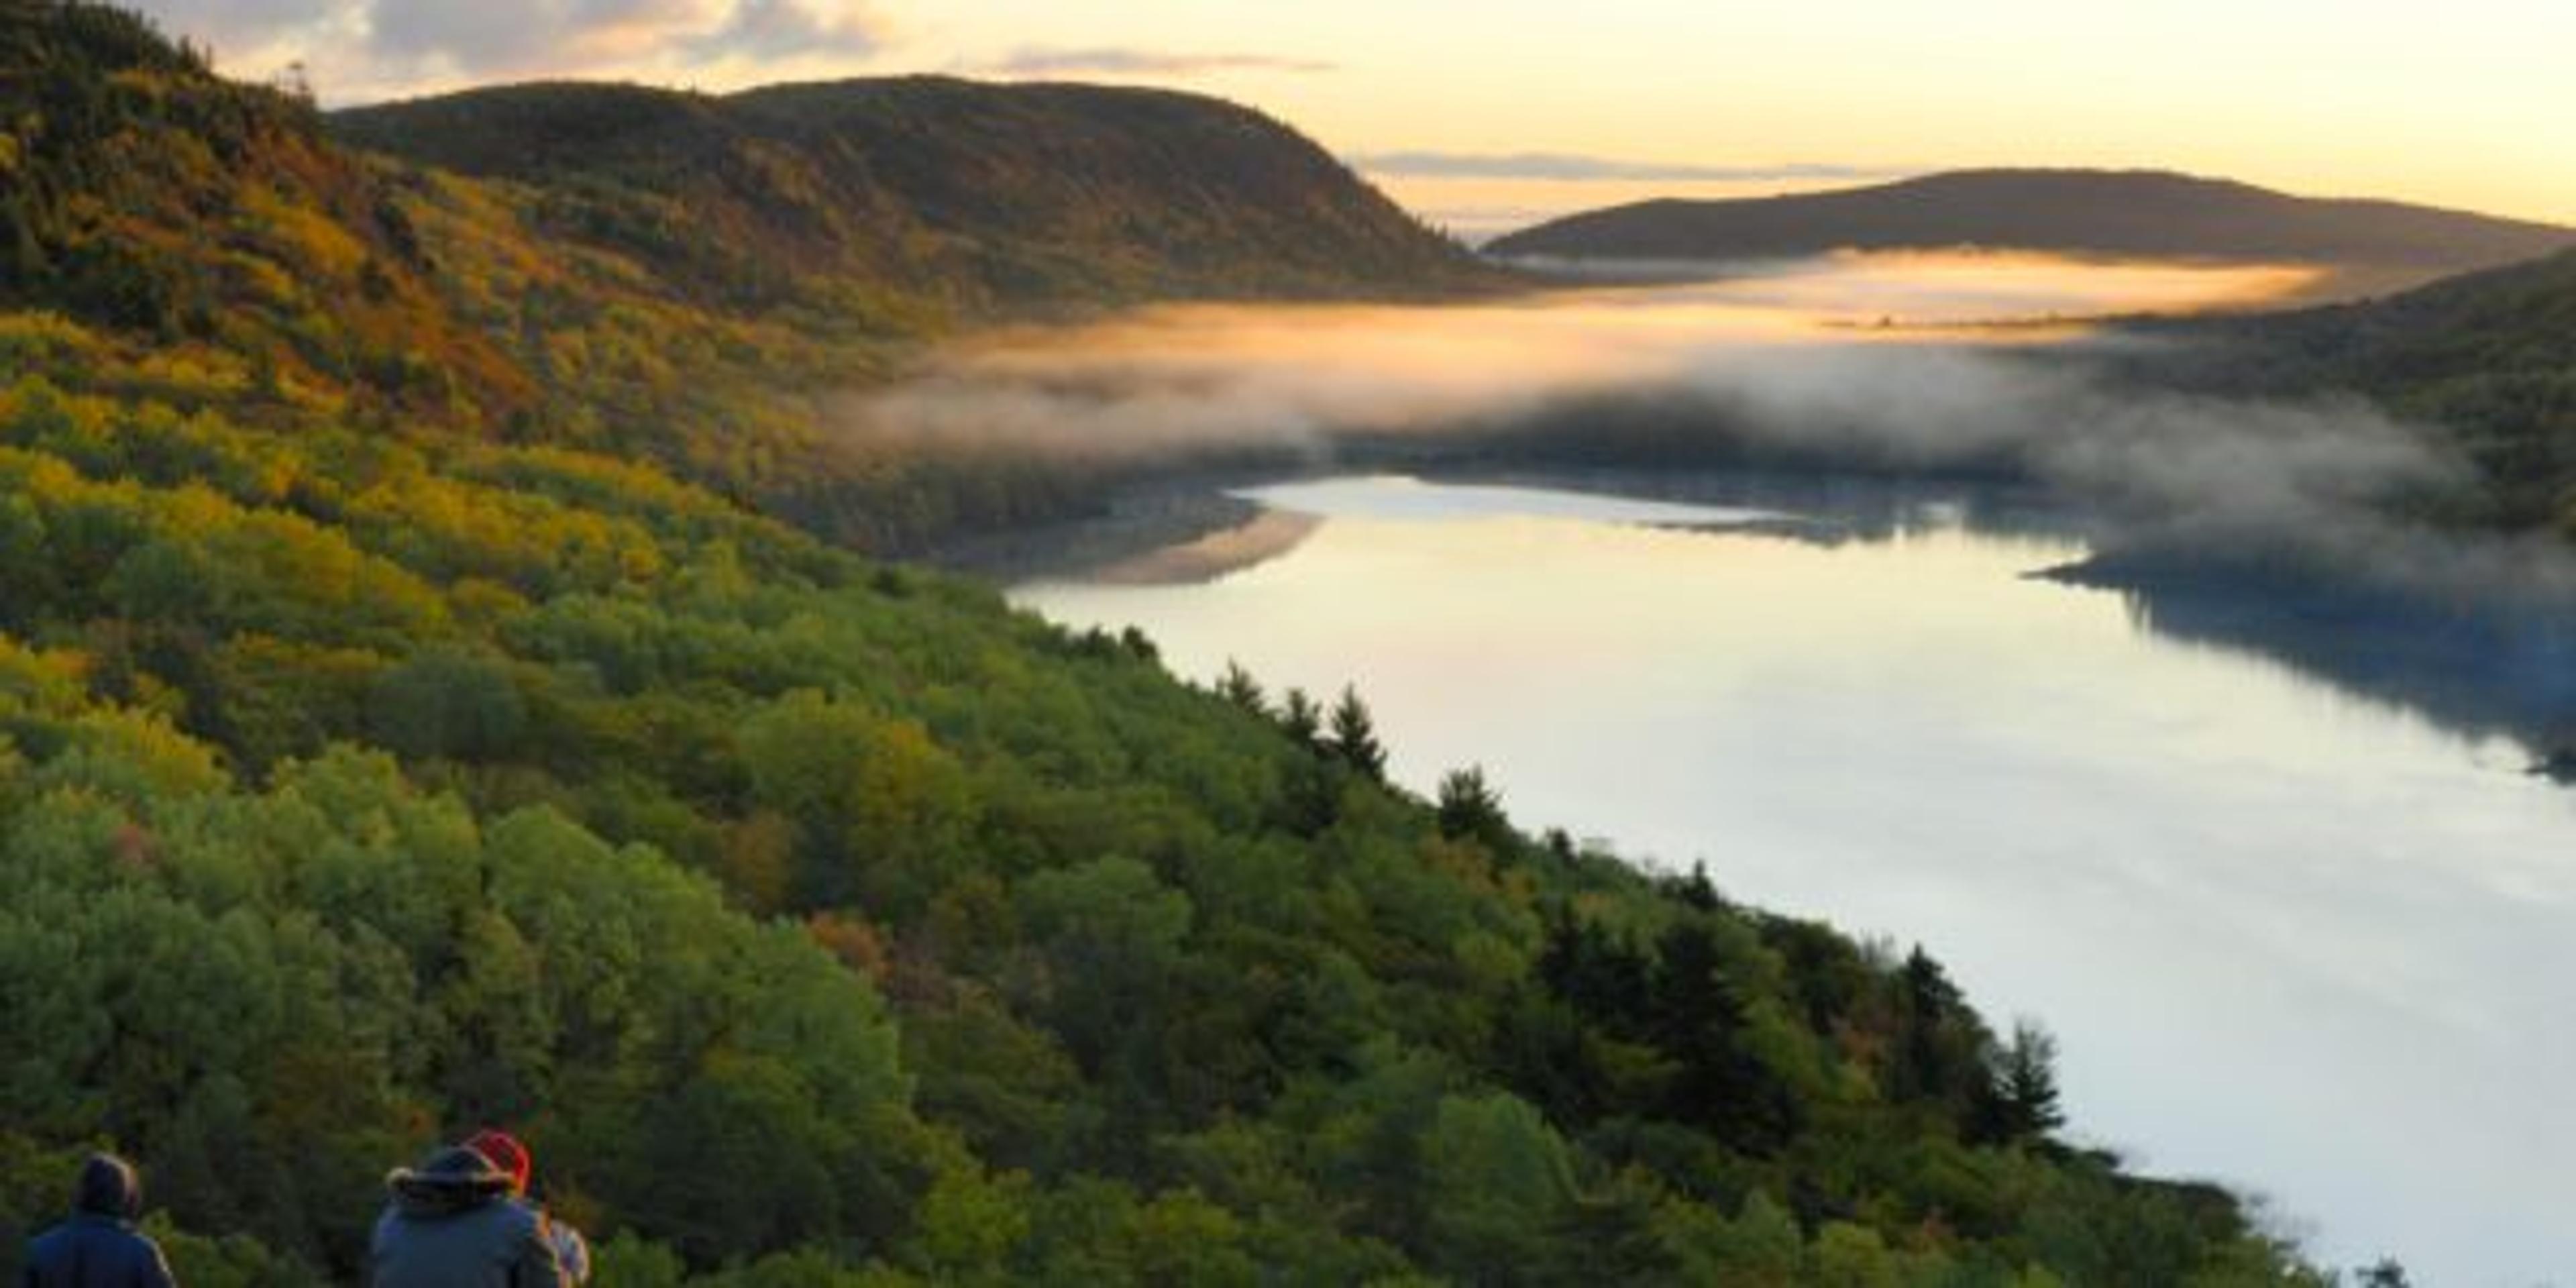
(97, 1247)
(452, 1224)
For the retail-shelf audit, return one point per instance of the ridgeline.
(394, 740)
(2140, 213)
(946, 194)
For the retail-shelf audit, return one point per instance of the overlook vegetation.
(393, 740)
(818, 918)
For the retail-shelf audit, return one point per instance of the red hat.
(505, 1153)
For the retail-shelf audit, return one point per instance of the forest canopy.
(397, 735)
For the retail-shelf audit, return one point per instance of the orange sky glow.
(2463, 105)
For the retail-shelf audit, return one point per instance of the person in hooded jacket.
(454, 1224)
(508, 1154)
(98, 1246)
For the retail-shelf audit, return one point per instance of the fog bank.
(1892, 362)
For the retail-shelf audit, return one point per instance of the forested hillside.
(380, 758)
(972, 196)
(2089, 212)
(652, 273)
(211, 226)
(2490, 356)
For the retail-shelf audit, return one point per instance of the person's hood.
(108, 1188)
(453, 1180)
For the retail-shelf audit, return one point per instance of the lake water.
(2299, 916)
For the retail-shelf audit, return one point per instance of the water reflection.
(2310, 945)
(2484, 668)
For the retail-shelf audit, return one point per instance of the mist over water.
(1891, 362)
(1198, 377)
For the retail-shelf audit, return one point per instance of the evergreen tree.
(1928, 1064)
(2020, 1102)
(1302, 719)
(1695, 889)
(1238, 687)
(1470, 809)
(1355, 735)
(1699, 1021)
(1141, 645)
(2029, 1080)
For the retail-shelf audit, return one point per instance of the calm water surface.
(2318, 946)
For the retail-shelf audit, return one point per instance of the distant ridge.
(2096, 212)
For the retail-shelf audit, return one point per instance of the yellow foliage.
(42, 682)
(305, 235)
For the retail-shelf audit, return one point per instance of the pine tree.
(1470, 809)
(2030, 1080)
(1238, 687)
(1302, 720)
(1355, 735)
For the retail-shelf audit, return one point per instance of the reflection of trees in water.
(1820, 507)
(2481, 669)
(2484, 667)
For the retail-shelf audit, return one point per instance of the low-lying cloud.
(1760, 362)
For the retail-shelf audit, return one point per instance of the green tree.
(1498, 1184)
(1301, 719)
(1237, 686)
(1355, 735)
(1470, 809)
(447, 703)
(2024, 1099)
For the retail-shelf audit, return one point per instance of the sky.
(1485, 116)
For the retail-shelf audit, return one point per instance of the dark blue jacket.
(452, 1224)
(97, 1247)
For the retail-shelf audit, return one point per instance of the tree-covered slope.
(834, 917)
(370, 771)
(212, 224)
(2092, 212)
(2490, 357)
(974, 195)
(648, 272)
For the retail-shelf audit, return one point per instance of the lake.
(2279, 880)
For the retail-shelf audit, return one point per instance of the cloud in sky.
(1049, 60)
(1568, 166)
(379, 45)
(241, 22)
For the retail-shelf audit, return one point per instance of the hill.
(690, 279)
(2490, 357)
(2085, 212)
(371, 770)
(702, 278)
(974, 195)
(212, 223)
